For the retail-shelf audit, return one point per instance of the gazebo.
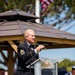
(12, 25)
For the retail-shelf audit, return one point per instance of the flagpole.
(37, 10)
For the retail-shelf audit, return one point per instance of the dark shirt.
(25, 56)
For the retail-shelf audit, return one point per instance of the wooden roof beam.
(3, 48)
(56, 40)
(38, 38)
(13, 45)
(4, 57)
(9, 38)
(59, 46)
(2, 63)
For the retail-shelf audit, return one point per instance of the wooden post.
(10, 62)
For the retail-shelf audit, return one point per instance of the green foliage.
(16, 4)
(69, 69)
(58, 7)
(63, 4)
(67, 64)
(1, 67)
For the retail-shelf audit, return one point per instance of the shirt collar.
(27, 43)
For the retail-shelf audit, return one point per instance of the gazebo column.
(10, 63)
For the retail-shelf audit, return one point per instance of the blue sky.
(59, 53)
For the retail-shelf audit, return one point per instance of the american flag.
(45, 3)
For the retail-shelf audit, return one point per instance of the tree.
(27, 5)
(67, 64)
(54, 10)
(58, 7)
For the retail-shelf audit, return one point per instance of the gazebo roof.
(17, 28)
(12, 30)
(16, 14)
(12, 25)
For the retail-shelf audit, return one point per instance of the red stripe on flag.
(45, 3)
(49, 1)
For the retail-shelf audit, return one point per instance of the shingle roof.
(17, 13)
(18, 27)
